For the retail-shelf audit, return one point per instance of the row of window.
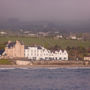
(48, 58)
(40, 54)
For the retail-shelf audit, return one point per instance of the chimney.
(17, 41)
(9, 42)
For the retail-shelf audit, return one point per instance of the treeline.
(75, 53)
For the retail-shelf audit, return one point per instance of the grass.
(5, 62)
(47, 42)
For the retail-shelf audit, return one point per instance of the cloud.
(59, 10)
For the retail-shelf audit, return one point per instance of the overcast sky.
(44, 10)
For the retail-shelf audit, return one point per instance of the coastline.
(44, 66)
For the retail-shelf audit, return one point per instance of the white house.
(73, 37)
(41, 53)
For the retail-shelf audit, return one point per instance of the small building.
(58, 37)
(73, 37)
(87, 58)
(80, 38)
(14, 50)
(3, 33)
(32, 35)
(43, 34)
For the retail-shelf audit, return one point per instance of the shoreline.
(45, 66)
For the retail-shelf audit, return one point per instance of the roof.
(1, 51)
(12, 44)
(9, 45)
(39, 47)
(26, 47)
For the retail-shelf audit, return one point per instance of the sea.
(44, 78)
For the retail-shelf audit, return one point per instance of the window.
(56, 58)
(64, 58)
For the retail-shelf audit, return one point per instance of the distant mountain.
(15, 25)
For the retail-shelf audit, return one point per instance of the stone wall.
(20, 62)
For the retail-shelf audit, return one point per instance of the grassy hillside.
(45, 41)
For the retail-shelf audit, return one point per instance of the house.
(32, 35)
(80, 38)
(3, 33)
(43, 34)
(14, 50)
(58, 37)
(87, 58)
(41, 53)
(73, 37)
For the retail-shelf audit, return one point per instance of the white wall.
(44, 54)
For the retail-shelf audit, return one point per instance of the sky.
(46, 10)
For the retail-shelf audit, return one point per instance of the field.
(47, 42)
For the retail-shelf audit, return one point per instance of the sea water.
(45, 79)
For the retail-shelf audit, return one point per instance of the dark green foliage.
(77, 53)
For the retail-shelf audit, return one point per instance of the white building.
(3, 33)
(73, 37)
(41, 53)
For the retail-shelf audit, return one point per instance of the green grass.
(46, 41)
(5, 62)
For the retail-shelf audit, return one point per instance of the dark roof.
(11, 44)
(39, 47)
(1, 51)
(26, 47)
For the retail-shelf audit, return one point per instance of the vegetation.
(5, 62)
(77, 53)
(76, 49)
(47, 42)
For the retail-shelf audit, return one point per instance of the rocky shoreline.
(47, 64)
(44, 66)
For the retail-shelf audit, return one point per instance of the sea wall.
(61, 62)
(21, 62)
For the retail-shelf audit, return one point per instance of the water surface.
(45, 79)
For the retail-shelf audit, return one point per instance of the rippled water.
(45, 79)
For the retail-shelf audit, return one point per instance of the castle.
(14, 49)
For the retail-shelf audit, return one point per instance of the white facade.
(41, 53)
(73, 37)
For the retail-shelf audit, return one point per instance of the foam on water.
(7, 68)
